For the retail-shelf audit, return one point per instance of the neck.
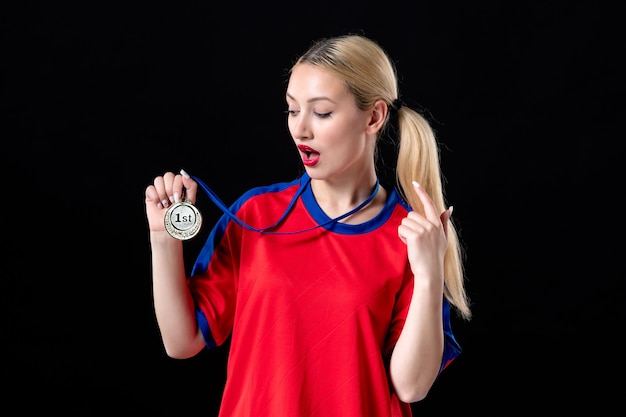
(338, 199)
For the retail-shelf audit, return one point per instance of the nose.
(299, 126)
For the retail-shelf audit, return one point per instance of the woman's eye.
(291, 112)
(323, 115)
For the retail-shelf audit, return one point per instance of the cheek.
(346, 133)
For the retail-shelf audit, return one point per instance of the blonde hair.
(370, 75)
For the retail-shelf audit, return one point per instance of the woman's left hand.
(425, 236)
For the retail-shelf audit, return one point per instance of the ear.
(378, 115)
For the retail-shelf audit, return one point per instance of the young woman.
(335, 289)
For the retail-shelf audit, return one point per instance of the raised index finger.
(430, 210)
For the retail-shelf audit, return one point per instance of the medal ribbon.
(304, 182)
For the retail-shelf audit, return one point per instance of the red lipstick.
(310, 156)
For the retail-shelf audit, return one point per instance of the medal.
(183, 220)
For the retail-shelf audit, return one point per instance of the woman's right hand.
(167, 189)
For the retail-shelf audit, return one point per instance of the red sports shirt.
(313, 315)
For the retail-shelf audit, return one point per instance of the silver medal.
(183, 220)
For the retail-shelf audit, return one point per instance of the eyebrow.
(312, 99)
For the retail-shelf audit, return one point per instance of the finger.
(177, 189)
(403, 232)
(445, 219)
(159, 192)
(152, 195)
(191, 187)
(169, 179)
(429, 207)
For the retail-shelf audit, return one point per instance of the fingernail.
(451, 208)
(171, 199)
(165, 203)
(160, 206)
(184, 173)
(416, 184)
(176, 197)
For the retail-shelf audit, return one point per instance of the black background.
(99, 97)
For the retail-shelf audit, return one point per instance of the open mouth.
(309, 155)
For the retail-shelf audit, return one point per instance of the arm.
(173, 304)
(416, 358)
